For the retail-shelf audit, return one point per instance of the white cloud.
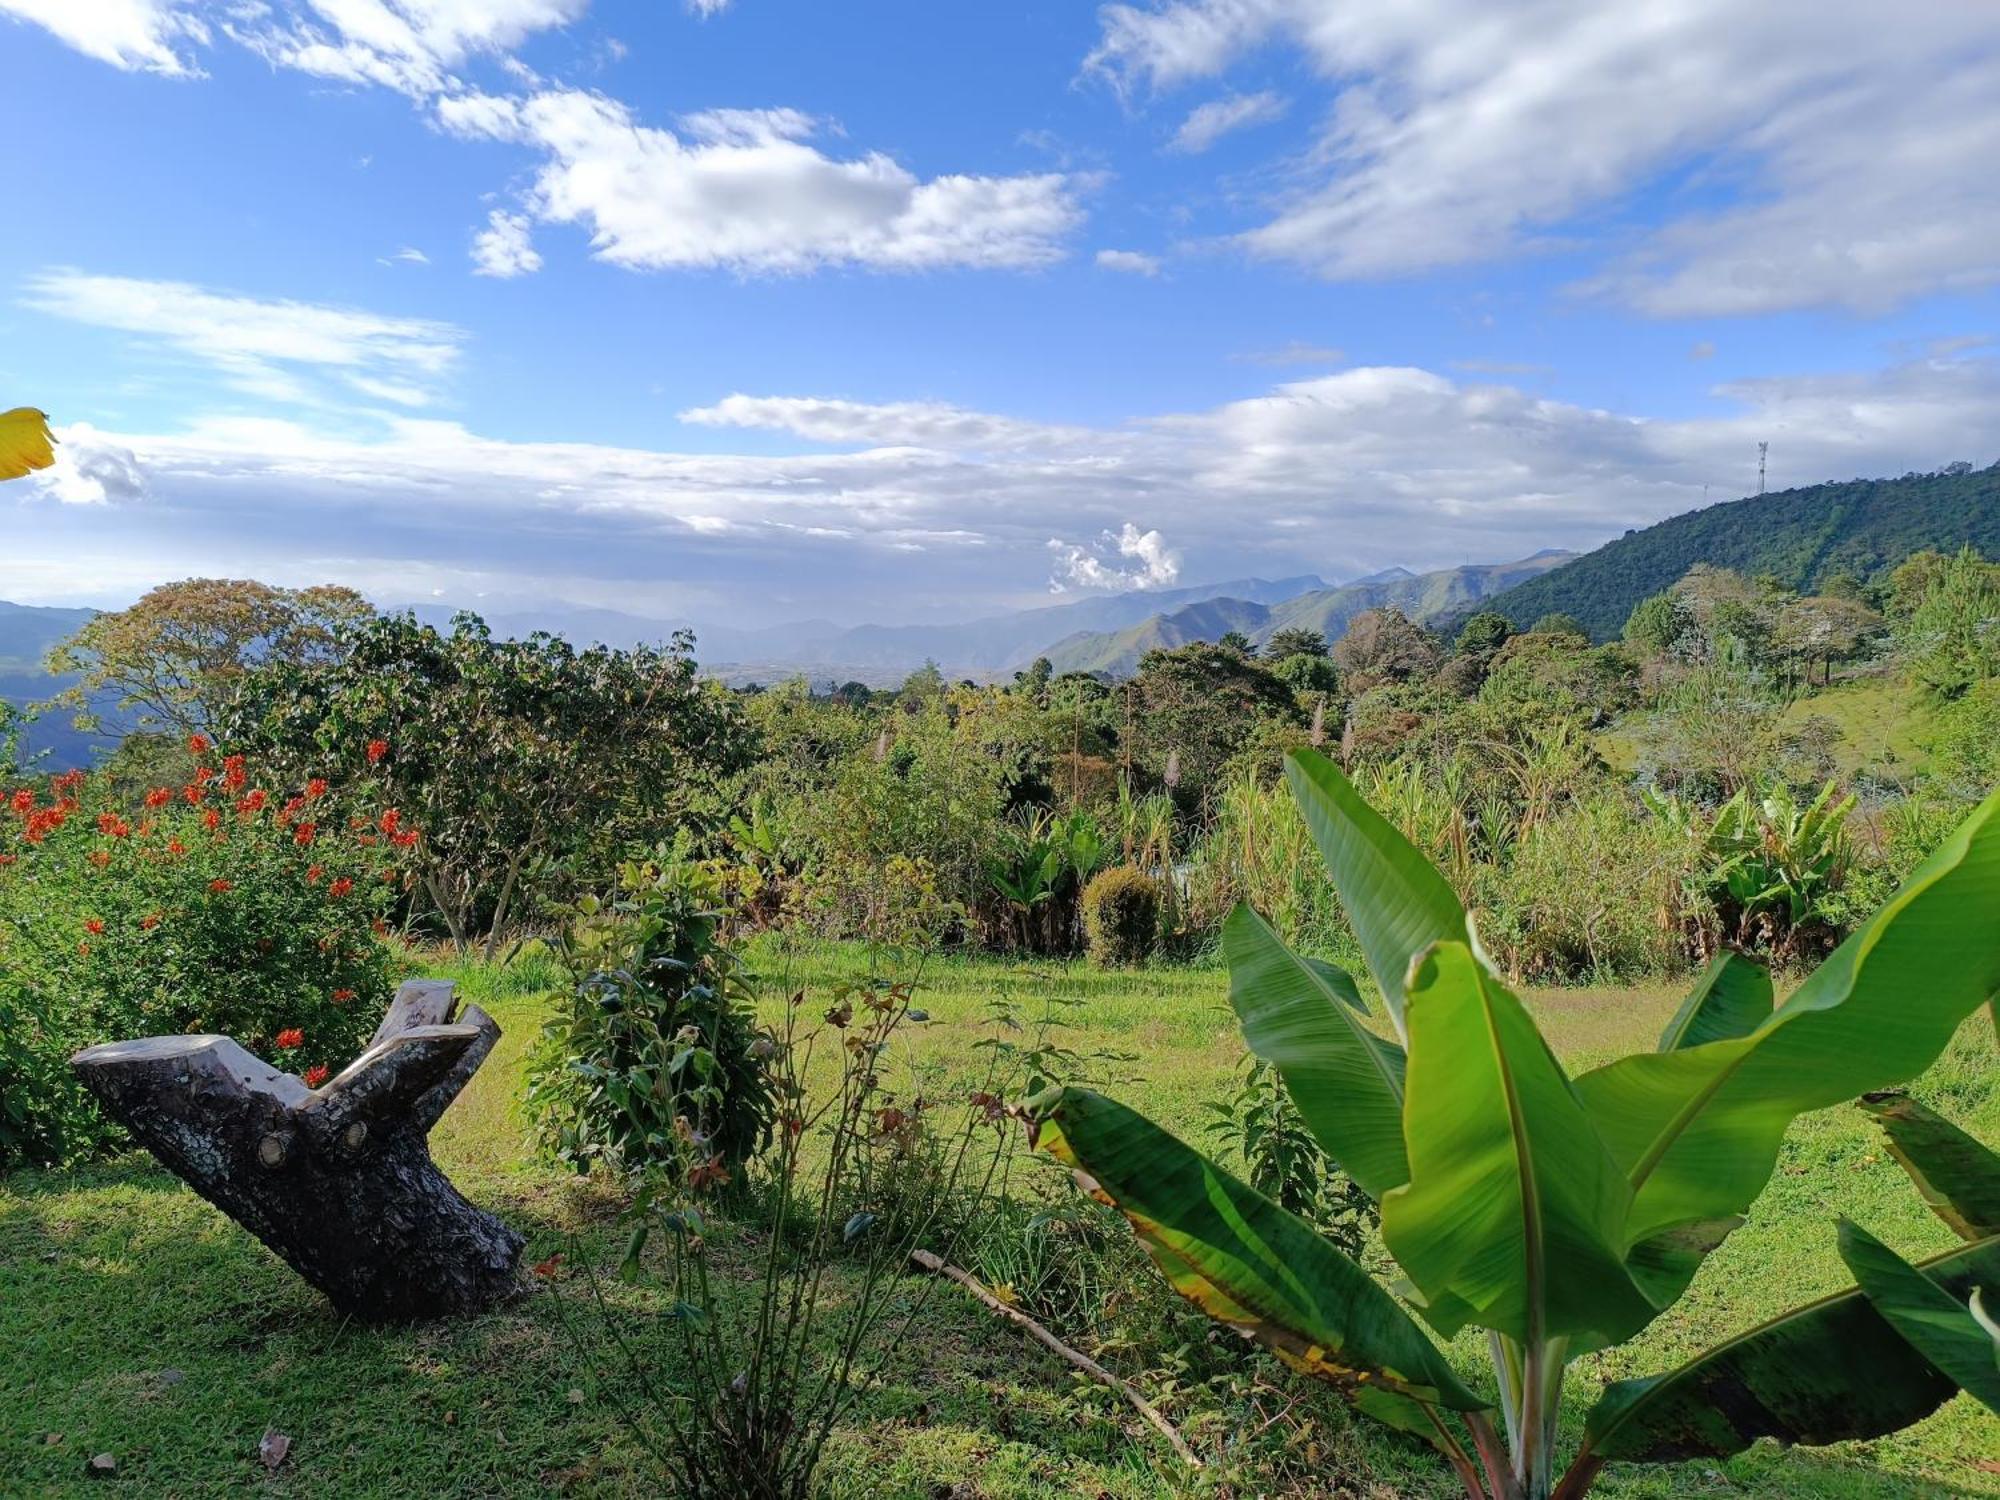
(408, 256)
(90, 470)
(925, 506)
(744, 190)
(707, 8)
(1297, 352)
(503, 249)
(1076, 566)
(151, 36)
(260, 347)
(1131, 262)
(1208, 123)
(407, 45)
(1851, 145)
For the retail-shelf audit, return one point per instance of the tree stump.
(337, 1180)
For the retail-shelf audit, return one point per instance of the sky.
(759, 310)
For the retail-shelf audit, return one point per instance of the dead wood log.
(336, 1180)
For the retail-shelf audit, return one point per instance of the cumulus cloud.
(1850, 145)
(148, 36)
(261, 347)
(745, 189)
(1157, 565)
(1130, 262)
(897, 509)
(503, 248)
(91, 470)
(1208, 123)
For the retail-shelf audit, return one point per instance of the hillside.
(1420, 595)
(1801, 536)
(26, 634)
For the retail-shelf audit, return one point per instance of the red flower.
(8, 859)
(68, 782)
(376, 750)
(290, 1038)
(211, 820)
(233, 775)
(303, 835)
(93, 925)
(315, 1075)
(23, 803)
(391, 821)
(176, 848)
(193, 792)
(198, 743)
(159, 796)
(221, 887)
(252, 802)
(316, 787)
(340, 887)
(341, 997)
(100, 857)
(313, 874)
(148, 922)
(290, 811)
(204, 775)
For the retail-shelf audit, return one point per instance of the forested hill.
(1801, 536)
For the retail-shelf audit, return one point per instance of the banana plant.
(1556, 1214)
(25, 443)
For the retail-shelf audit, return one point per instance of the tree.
(1035, 679)
(1558, 623)
(1384, 645)
(1294, 640)
(516, 761)
(1824, 630)
(1198, 705)
(1488, 630)
(1562, 1215)
(1235, 640)
(181, 653)
(1657, 622)
(925, 685)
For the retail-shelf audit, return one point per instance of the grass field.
(136, 1320)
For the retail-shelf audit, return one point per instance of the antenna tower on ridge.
(1763, 449)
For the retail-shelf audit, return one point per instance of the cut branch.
(337, 1181)
(941, 1267)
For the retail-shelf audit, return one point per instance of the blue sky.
(758, 310)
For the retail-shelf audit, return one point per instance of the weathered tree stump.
(337, 1180)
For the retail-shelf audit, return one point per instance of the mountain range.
(1422, 596)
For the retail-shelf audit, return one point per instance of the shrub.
(657, 1056)
(1121, 915)
(218, 906)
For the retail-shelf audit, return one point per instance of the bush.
(656, 1060)
(1121, 915)
(218, 906)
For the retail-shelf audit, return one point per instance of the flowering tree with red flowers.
(226, 904)
(500, 770)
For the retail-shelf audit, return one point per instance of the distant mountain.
(1328, 610)
(1801, 536)
(26, 635)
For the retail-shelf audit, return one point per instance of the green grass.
(137, 1320)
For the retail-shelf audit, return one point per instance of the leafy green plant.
(222, 905)
(1285, 1160)
(656, 1054)
(1121, 915)
(1559, 1215)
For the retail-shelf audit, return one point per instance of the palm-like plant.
(1559, 1215)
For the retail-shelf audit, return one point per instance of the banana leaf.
(1958, 1177)
(1242, 1259)
(1731, 999)
(1302, 1018)
(1938, 1325)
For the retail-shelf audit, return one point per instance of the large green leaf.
(1242, 1259)
(1514, 1214)
(1824, 1373)
(1698, 1130)
(1396, 901)
(1935, 1323)
(1959, 1177)
(1731, 999)
(1346, 1081)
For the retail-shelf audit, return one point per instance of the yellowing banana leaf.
(25, 442)
(1827, 1372)
(1697, 1130)
(1938, 1325)
(1397, 902)
(1958, 1177)
(1514, 1214)
(1242, 1259)
(1301, 1017)
(1731, 999)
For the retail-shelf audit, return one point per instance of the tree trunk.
(338, 1181)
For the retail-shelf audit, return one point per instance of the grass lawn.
(137, 1320)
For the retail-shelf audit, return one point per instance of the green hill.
(26, 634)
(1801, 536)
